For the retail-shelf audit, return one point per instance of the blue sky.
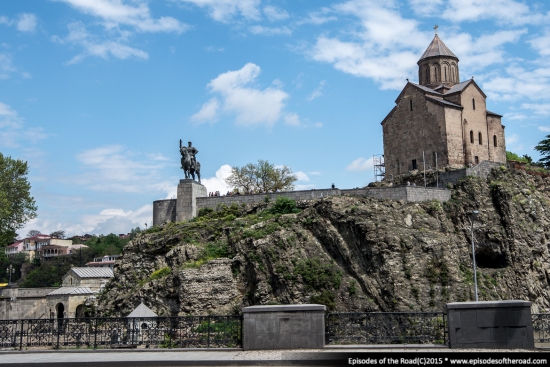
(95, 94)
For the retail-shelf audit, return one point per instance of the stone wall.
(405, 193)
(164, 211)
(24, 303)
(482, 170)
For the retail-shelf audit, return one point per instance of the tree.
(17, 206)
(33, 232)
(58, 234)
(262, 176)
(544, 149)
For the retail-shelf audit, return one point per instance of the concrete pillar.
(164, 211)
(284, 327)
(188, 191)
(495, 325)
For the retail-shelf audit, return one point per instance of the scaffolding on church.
(379, 167)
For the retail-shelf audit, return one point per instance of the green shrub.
(325, 298)
(318, 274)
(205, 211)
(284, 205)
(160, 273)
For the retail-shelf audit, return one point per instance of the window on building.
(414, 163)
(476, 158)
(495, 140)
(474, 103)
(410, 104)
(471, 136)
(479, 138)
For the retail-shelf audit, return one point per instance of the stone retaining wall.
(405, 193)
(482, 170)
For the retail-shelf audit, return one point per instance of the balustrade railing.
(151, 332)
(387, 328)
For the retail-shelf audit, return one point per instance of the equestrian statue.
(189, 163)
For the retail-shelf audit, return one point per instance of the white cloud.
(208, 112)
(292, 119)
(545, 129)
(225, 10)
(360, 164)
(302, 176)
(426, 7)
(541, 44)
(115, 13)
(120, 221)
(378, 49)
(251, 106)
(503, 11)
(318, 17)
(113, 168)
(6, 66)
(217, 183)
(538, 109)
(512, 139)
(318, 92)
(270, 31)
(78, 35)
(214, 49)
(26, 22)
(274, 13)
(13, 132)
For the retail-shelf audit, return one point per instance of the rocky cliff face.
(350, 253)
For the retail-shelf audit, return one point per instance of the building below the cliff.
(441, 119)
(78, 286)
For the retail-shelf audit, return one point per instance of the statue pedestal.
(188, 191)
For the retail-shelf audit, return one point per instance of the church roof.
(443, 101)
(459, 87)
(437, 48)
(492, 113)
(142, 311)
(93, 272)
(70, 290)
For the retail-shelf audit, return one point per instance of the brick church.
(442, 117)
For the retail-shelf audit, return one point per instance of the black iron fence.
(387, 328)
(541, 327)
(153, 332)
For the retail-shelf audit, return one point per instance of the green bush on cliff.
(284, 205)
(160, 273)
(318, 274)
(211, 251)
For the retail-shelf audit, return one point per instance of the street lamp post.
(10, 270)
(473, 217)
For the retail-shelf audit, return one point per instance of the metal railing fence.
(541, 327)
(387, 328)
(103, 332)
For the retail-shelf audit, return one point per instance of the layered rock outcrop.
(352, 254)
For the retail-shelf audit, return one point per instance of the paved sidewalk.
(212, 358)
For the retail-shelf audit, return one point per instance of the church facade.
(443, 118)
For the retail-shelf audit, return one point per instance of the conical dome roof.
(142, 311)
(437, 48)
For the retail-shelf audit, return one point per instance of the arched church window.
(495, 141)
(426, 75)
(410, 104)
(474, 103)
(471, 136)
(479, 138)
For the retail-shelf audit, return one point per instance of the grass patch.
(160, 273)
(318, 274)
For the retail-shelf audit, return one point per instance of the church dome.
(437, 48)
(438, 66)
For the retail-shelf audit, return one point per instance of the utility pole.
(473, 217)
(424, 160)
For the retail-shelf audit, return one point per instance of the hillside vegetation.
(349, 253)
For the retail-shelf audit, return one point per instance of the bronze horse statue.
(187, 165)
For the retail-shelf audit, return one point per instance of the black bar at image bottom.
(419, 358)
